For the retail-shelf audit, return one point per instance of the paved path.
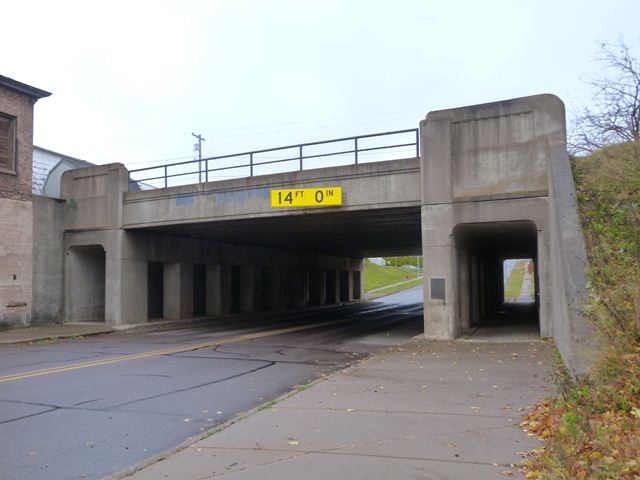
(525, 291)
(395, 284)
(424, 410)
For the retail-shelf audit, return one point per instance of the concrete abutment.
(496, 184)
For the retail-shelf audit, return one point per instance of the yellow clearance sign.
(306, 197)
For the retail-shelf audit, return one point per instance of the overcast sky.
(130, 80)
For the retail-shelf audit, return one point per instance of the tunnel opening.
(86, 296)
(199, 289)
(155, 290)
(497, 275)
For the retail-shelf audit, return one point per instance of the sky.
(131, 80)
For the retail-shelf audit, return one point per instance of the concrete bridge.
(492, 182)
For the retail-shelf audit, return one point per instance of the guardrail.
(201, 167)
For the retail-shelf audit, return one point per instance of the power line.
(198, 148)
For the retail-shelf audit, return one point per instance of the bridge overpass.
(492, 182)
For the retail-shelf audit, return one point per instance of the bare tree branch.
(614, 116)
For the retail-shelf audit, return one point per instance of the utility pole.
(197, 147)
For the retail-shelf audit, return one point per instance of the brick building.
(16, 203)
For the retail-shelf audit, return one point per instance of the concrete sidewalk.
(427, 410)
(52, 332)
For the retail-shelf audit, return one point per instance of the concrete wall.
(94, 197)
(48, 275)
(574, 336)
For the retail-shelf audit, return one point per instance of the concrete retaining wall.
(48, 275)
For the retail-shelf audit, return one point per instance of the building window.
(7, 143)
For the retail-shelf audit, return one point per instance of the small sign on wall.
(438, 289)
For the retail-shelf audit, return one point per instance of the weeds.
(591, 427)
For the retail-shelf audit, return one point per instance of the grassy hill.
(591, 428)
(376, 276)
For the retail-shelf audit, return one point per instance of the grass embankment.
(513, 285)
(591, 428)
(376, 276)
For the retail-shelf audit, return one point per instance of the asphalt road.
(88, 408)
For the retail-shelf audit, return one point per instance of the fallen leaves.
(592, 431)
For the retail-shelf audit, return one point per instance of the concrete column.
(306, 290)
(247, 289)
(317, 287)
(358, 286)
(545, 282)
(271, 282)
(126, 278)
(346, 285)
(297, 287)
(439, 298)
(332, 286)
(257, 289)
(474, 274)
(214, 290)
(225, 289)
(178, 290)
(464, 288)
(283, 293)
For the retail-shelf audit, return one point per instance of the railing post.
(251, 164)
(206, 171)
(300, 156)
(417, 142)
(356, 149)
(165, 176)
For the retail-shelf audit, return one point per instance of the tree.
(614, 116)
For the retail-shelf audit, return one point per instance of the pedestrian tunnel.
(497, 275)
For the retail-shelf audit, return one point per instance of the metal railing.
(169, 170)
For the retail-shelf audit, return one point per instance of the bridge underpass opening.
(86, 284)
(486, 297)
(262, 280)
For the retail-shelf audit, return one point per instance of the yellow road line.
(168, 351)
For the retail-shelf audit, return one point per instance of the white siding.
(43, 163)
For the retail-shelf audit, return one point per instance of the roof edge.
(33, 92)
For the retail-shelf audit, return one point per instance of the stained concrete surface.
(424, 410)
